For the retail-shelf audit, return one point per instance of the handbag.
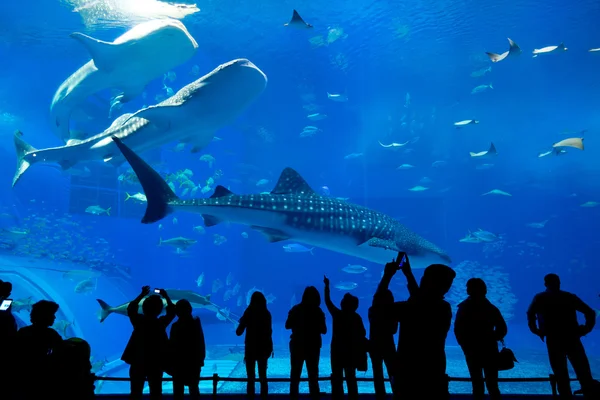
(506, 358)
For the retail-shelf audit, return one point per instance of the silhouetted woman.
(256, 321)
(35, 345)
(348, 344)
(382, 326)
(187, 351)
(307, 323)
(478, 327)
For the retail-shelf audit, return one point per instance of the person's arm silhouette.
(500, 327)
(330, 306)
(411, 282)
(134, 305)
(532, 312)
(588, 313)
(242, 324)
(170, 310)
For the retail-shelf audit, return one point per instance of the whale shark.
(192, 116)
(292, 210)
(140, 55)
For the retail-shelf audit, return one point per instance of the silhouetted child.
(424, 324)
(35, 345)
(307, 323)
(552, 316)
(382, 326)
(478, 327)
(187, 351)
(348, 344)
(8, 335)
(256, 322)
(72, 370)
(146, 351)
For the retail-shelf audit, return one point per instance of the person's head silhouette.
(152, 306)
(552, 282)
(43, 313)
(5, 289)
(349, 303)
(258, 301)
(476, 288)
(311, 297)
(183, 309)
(383, 298)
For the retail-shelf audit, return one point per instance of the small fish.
(470, 239)
(346, 285)
(438, 164)
(497, 192)
(297, 248)
(484, 166)
(262, 182)
(353, 156)
(481, 88)
(354, 269)
(342, 98)
(245, 235)
(594, 50)
(418, 189)
(590, 204)
(481, 72)
(316, 116)
(179, 242)
(86, 286)
(466, 122)
(405, 166)
(97, 210)
(485, 236)
(537, 225)
(200, 280)
(138, 196)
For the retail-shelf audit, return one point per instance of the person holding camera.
(147, 349)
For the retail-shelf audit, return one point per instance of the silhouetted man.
(424, 324)
(8, 334)
(553, 315)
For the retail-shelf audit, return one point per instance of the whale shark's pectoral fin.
(273, 235)
(159, 115)
(106, 55)
(381, 243)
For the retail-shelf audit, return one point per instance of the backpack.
(506, 358)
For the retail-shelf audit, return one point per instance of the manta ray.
(192, 115)
(143, 53)
(292, 210)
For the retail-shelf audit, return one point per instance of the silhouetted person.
(35, 345)
(348, 344)
(382, 328)
(552, 316)
(424, 324)
(73, 377)
(188, 351)
(256, 322)
(478, 327)
(307, 323)
(146, 351)
(8, 334)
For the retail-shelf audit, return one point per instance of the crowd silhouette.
(416, 366)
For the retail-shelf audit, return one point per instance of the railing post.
(215, 382)
(553, 386)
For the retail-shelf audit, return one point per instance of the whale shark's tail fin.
(23, 162)
(158, 193)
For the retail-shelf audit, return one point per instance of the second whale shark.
(131, 61)
(292, 210)
(192, 115)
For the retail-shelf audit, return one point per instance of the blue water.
(379, 54)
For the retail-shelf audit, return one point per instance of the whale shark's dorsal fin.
(297, 21)
(290, 182)
(221, 191)
(492, 149)
(106, 55)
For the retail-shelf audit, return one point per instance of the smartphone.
(5, 304)
(401, 258)
(157, 291)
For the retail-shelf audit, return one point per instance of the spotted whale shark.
(129, 63)
(192, 116)
(292, 210)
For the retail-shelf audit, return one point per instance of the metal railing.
(215, 378)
